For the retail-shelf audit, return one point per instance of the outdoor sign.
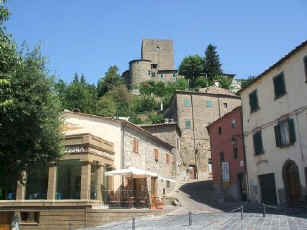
(225, 172)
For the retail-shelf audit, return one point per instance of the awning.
(167, 179)
(131, 171)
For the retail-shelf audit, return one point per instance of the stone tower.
(156, 64)
(160, 52)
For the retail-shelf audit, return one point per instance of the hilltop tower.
(156, 63)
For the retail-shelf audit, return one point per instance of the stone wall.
(195, 141)
(145, 157)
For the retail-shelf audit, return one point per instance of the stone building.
(107, 162)
(156, 63)
(275, 130)
(193, 111)
(227, 153)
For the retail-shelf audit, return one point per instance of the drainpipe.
(299, 138)
(244, 156)
(194, 149)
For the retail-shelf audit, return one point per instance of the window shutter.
(277, 135)
(292, 131)
(258, 143)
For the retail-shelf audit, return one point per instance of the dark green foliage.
(30, 126)
(202, 82)
(224, 81)
(211, 64)
(156, 118)
(111, 79)
(246, 82)
(191, 68)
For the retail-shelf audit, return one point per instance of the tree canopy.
(191, 68)
(212, 65)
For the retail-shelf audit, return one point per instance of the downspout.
(244, 155)
(218, 101)
(194, 137)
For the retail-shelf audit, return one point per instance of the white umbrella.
(131, 171)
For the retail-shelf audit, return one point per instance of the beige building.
(107, 163)
(193, 112)
(275, 130)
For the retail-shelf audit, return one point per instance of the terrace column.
(21, 187)
(85, 180)
(52, 180)
(100, 178)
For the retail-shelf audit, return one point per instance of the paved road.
(251, 221)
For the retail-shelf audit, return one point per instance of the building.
(107, 162)
(227, 152)
(193, 111)
(275, 130)
(156, 63)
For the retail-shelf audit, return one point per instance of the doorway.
(268, 188)
(292, 182)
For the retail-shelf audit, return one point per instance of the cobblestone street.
(251, 221)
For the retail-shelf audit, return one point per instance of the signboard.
(225, 172)
(76, 148)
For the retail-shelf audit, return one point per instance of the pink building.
(227, 152)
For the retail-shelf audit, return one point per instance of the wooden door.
(268, 188)
(293, 181)
(5, 221)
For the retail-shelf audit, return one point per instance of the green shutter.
(258, 143)
(277, 135)
(291, 131)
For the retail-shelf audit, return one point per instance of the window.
(154, 66)
(253, 101)
(258, 145)
(153, 74)
(135, 145)
(168, 184)
(187, 124)
(167, 158)
(161, 75)
(174, 75)
(234, 147)
(156, 154)
(225, 105)
(149, 72)
(285, 133)
(209, 104)
(279, 85)
(233, 123)
(29, 217)
(305, 65)
(222, 157)
(187, 102)
(220, 130)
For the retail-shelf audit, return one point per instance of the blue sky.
(89, 36)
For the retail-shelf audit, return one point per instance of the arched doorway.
(292, 182)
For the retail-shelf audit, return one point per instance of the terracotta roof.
(216, 90)
(225, 115)
(125, 123)
(211, 92)
(281, 61)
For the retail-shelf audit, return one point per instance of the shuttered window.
(279, 85)
(305, 66)
(135, 145)
(253, 101)
(258, 145)
(187, 102)
(209, 104)
(222, 159)
(285, 133)
(167, 158)
(156, 154)
(187, 124)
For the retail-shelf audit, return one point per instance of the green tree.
(224, 81)
(202, 82)
(191, 68)
(111, 79)
(30, 127)
(246, 82)
(211, 64)
(106, 106)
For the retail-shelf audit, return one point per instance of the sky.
(89, 36)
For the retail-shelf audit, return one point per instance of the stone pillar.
(85, 181)
(52, 181)
(100, 178)
(21, 186)
(148, 181)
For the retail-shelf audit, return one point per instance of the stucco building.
(275, 130)
(156, 63)
(227, 152)
(107, 162)
(193, 111)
